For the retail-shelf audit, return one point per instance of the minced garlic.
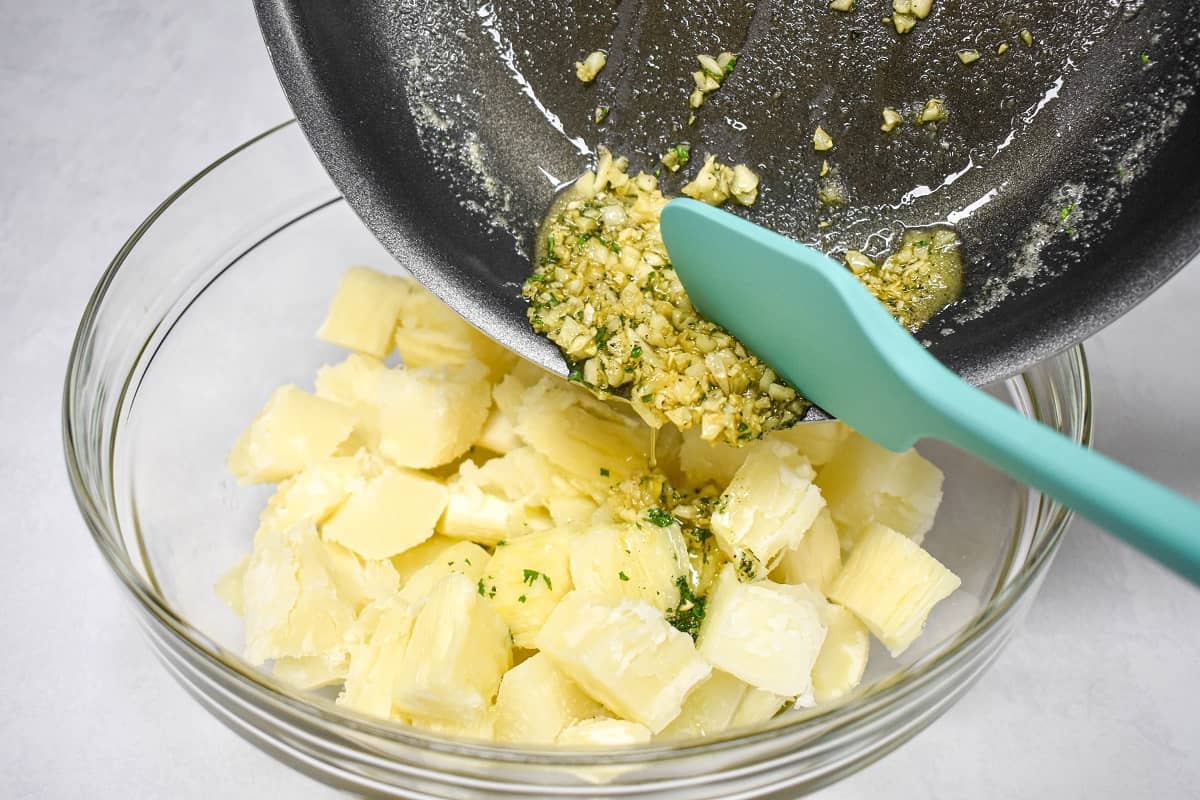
(711, 74)
(918, 280)
(590, 67)
(605, 293)
(821, 140)
(891, 120)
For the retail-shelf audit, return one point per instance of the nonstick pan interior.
(1070, 167)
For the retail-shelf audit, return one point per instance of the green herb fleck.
(636, 352)
(529, 576)
(732, 63)
(604, 472)
(683, 152)
(1065, 211)
(1145, 58)
(622, 576)
(480, 585)
(521, 599)
(689, 614)
(659, 517)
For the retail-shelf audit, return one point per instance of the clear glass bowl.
(213, 302)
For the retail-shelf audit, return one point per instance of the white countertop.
(107, 108)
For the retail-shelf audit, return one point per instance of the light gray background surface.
(106, 108)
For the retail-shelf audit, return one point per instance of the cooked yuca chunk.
(891, 584)
(364, 311)
(537, 701)
(816, 560)
(464, 558)
(865, 483)
(720, 703)
(290, 602)
(817, 441)
(394, 511)
(376, 645)
(843, 657)
(594, 443)
(431, 334)
(312, 672)
(360, 581)
(766, 634)
(414, 559)
(459, 650)
(631, 562)
(315, 492)
(624, 654)
(603, 732)
(769, 505)
(293, 430)
(497, 500)
(430, 416)
(525, 579)
(355, 383)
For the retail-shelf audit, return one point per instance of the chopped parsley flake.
(659, 517)
(622, 576)
(689, 614)
(521, 599)
(604, 472)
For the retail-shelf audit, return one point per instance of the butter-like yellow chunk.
(603, 732)
(451, 671)
(525, 580)
(376, 645)
(290, 601)
(364, 311)
(430, 416)
(624, 654)
(355, 384)
(293, 430)
(766, 634)
(769, 504)
(891, 584)
(391, 513)
(537, 701)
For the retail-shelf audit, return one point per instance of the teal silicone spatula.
(815, 324)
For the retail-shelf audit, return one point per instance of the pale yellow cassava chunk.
(229, 586)
(364, 311)
(603, 732)
(865, 483)
(376, 644)
(500, 431)
(431, 334)
(766, 634)
(526, 578)
(510, 496)
(464, 558)
(537, 701)
(290, 600)
(412, 560)
(429, 416)
(293, 430)
(817, 441)
(817, 560)
(452, 671)
(892, 584)
(315, 492)
(360, 581)
(624, 654)
(715, 705)
(843, 658)
(709, 462)
(312, 672)
(769, 505)
(482, 727)
(630, 561)
(354, 382)
(592, 442)
(394, 511)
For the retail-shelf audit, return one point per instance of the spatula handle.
(1147, 515)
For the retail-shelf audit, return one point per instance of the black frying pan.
(1070, 167)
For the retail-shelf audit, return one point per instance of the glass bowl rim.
(229, 666)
